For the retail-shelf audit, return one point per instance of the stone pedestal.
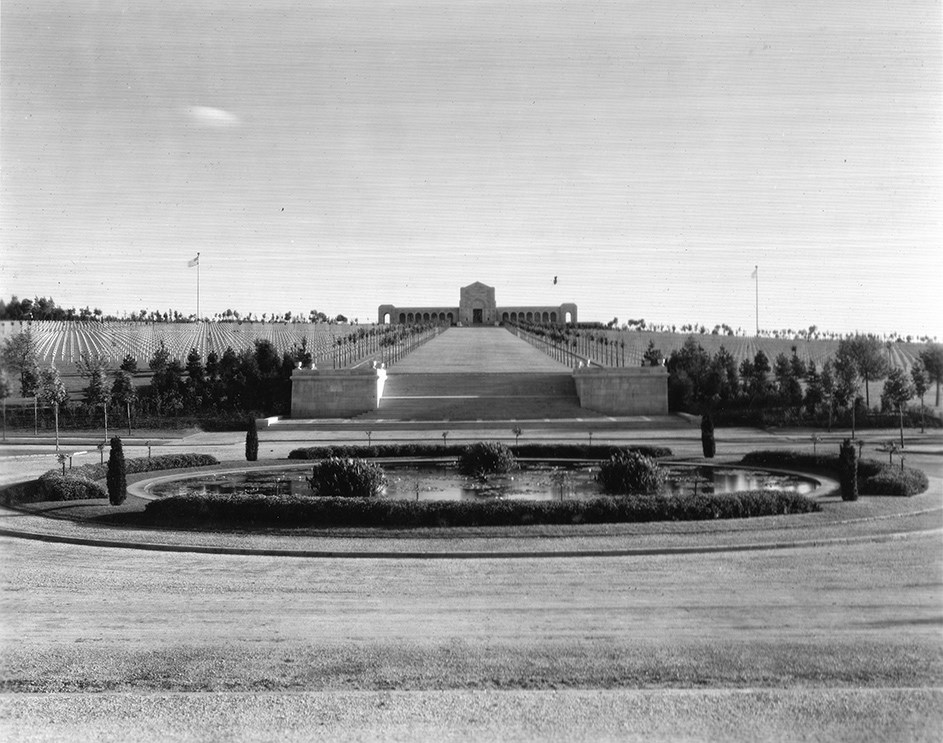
(337, 393)
(638, 390)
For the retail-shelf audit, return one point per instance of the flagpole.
(756, 276)
(198, 287)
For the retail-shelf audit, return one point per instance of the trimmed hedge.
(145, 464)
(255, 510)
(54, 486)
(532, 451)
(874, 477)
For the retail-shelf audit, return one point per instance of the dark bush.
(54, 486)
(252, 441)
(485, 458)
(629, 472)
(530, 451)
(347, 478)
(253, 510)
(708, 445)
(891, 480)
(117, 476)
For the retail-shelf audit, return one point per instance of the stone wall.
(335, 393)
(640, 390)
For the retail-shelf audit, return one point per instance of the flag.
(755, 269)
(194, 262)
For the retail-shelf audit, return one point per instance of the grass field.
(795, 645)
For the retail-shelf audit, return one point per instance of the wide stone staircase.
(481, 396)
(470, 374)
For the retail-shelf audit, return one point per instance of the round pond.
(528, 482)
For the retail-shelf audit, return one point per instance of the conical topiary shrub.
(848, 459)
(252, 441)
(117, 478)
(707, 436)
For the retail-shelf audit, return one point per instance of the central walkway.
(486, 350)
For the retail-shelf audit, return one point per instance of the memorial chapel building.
(476, 306)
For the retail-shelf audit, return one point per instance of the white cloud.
(212, 117)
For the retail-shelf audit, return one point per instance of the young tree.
(196, 378)
(158, 362)
(828, 390)
(898, 389)
(652, 356)
(724, 370)
(759, 382)
(932, 359)
(90, 363)
(814, 394)
(97, 393)
(53, 392)
(20, 356)
(921, 382)
(5, 390)
(117, 478)
(123, 390)
(846, 383)
(129, 364)
(869, 358)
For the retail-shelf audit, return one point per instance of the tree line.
(231, 386)
(788, 389)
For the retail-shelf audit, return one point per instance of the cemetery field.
(62, 343)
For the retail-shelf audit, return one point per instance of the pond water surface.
(529, 482)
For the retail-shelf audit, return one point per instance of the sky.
(343, 155)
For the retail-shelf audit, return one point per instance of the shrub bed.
(874, 478)
(532, 451)
(890, 480)
(54, 486)
(254, 510)
(80, 483)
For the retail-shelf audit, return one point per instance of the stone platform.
(479, 374)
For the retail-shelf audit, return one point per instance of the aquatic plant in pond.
(629, 472)
(484, 458)
(347, 478)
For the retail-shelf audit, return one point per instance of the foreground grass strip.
(460, 664)
(254, 510)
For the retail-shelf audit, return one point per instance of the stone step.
(480, 384)
(472, 408)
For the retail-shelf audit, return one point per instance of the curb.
(468, 555)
